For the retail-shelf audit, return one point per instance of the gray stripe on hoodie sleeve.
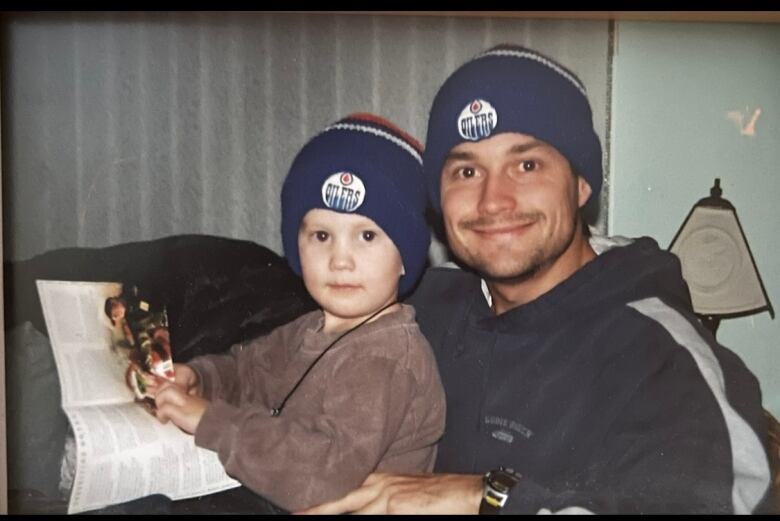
(751, 467)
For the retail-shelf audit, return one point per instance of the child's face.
(350, 266)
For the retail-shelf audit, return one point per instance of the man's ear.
(403, 270)
(583, 191)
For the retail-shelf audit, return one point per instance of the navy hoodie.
(605, 394)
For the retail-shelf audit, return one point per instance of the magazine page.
(90, 369)
(123, 451)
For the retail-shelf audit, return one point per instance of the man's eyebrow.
(525, 147)
(457, 156)
(515, 149)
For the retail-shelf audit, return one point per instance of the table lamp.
(717, 264)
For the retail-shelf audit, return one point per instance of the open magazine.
(101, 351)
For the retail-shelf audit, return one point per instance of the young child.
(306, 413)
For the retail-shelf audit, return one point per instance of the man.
(586, 377)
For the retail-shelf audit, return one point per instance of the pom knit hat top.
(365, 165)
(512, 89)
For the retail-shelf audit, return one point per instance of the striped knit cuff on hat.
(512, 89)
(365, 165)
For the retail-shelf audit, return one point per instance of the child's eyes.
(323, 236)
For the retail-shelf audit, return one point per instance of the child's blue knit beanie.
(512, 89)
(365, 165)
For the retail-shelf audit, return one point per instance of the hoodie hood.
(619, 275)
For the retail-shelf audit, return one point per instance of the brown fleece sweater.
(374, 402)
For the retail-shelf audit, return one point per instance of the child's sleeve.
(331, 435)
(219, 375)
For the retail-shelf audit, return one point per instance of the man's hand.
(409, 494)
(184, 410)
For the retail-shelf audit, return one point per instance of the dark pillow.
(217, 291)
(37, 425)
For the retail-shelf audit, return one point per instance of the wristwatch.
(495, 489)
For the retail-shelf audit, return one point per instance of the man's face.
(350, 266)
(510, 204)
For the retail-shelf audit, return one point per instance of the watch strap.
(497, 484)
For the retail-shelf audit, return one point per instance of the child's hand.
(184, 410)
(186, 379)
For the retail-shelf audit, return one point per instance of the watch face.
(501, 483)
(501, 480)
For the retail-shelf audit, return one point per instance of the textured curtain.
(130, 126)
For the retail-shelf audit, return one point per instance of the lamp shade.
(717, 263)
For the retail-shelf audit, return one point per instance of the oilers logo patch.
(477, 120)
(343, 191)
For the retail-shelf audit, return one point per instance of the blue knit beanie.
(512, 89)
(365, 165)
